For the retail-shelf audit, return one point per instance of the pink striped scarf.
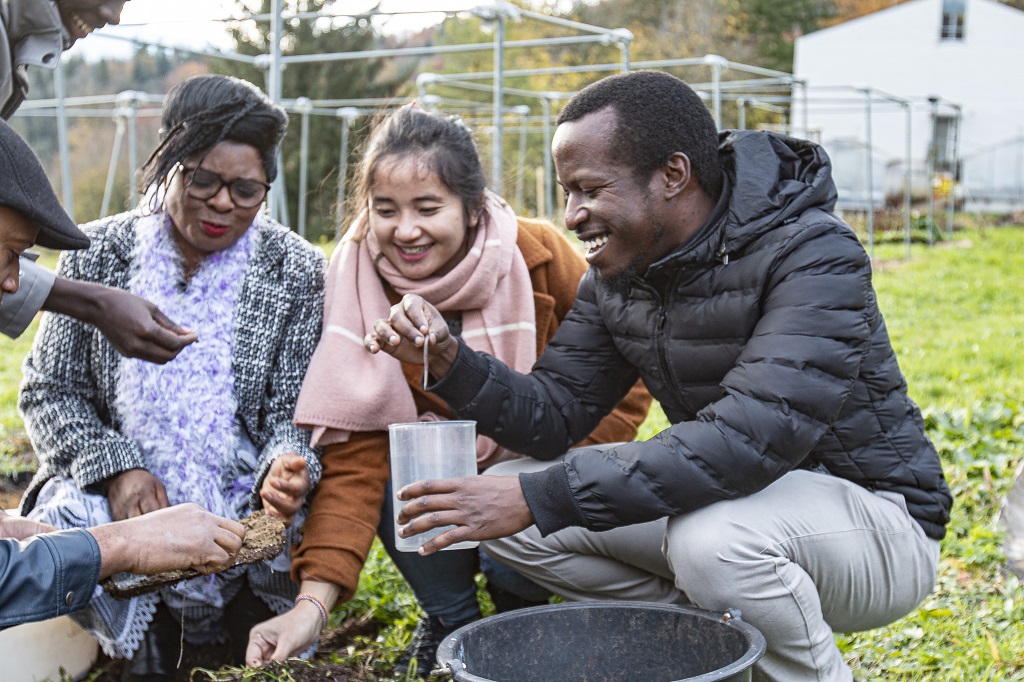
(347, 389)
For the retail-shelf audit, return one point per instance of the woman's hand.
(285, 487)
(283, 636)
(292, 632)
(135, 492)
(402, 334)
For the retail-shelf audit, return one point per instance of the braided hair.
(203, 111)
(444, 143)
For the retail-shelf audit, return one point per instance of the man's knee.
(710, 553)
(694, 542)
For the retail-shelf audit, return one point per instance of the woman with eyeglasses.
(117, 438)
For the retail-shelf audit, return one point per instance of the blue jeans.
(444, 582)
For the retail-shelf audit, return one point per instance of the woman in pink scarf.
(426, 225)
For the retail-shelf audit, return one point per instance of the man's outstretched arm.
(55, 573)
(135, 327)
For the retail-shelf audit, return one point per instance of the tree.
(774, 25)
(360, 78)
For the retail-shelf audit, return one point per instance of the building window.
(944, 132)
(953, 12)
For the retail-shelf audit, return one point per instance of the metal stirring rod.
(426, 359)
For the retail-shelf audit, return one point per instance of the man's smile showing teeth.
(595, 243)
(80, 24)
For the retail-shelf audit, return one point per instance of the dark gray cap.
(25, 188)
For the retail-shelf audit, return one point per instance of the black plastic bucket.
(603, 642)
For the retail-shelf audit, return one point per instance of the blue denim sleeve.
(47, 576)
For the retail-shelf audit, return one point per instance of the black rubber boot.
(156, 659)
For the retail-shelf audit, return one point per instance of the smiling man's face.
(82, 17)
(611, 209)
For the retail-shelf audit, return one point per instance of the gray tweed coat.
(67, 396)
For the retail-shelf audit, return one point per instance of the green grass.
(14, 455)
(955, 317)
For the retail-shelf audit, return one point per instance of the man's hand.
(401, 335)
(19, 528)
(135, 492)
(138, 329)
(481, 508)
(285, 487)
(133, 325)
(179, 537)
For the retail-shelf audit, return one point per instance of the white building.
(964, 52)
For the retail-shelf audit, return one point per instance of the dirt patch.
(334, 661)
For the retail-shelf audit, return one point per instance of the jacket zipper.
(661, 348)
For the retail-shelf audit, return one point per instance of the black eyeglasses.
(245, 192)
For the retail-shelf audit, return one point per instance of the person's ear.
(676, 173)
(474, 218)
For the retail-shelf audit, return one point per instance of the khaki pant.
(808, 555)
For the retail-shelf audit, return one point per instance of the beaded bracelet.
(319, 606)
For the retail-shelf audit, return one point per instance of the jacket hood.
(774, 179)
(770, 180)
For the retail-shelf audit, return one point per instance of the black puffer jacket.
(760, 337)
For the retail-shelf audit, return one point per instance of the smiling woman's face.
(202, 226)
(420, 224)
(82, 17)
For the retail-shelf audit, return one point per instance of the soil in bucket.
(603, 642)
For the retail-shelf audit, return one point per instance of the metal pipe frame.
(434, 50)
(870, 172)
(586, 68)
(348, 116)
(62, 140)
(908, 108)
(274, 62)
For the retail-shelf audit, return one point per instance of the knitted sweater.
(68, 395)
(345, 510)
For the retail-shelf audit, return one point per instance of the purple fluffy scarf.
(182, 414)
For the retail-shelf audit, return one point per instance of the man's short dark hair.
(658, 115)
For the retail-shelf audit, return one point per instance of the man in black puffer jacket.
(795, 483)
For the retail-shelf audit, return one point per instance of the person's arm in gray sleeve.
(47, 576)
(18, 309)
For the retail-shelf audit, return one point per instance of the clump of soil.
(264, 540)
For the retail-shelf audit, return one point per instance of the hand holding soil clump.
(264, 539)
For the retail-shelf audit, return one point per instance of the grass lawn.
(955, 317)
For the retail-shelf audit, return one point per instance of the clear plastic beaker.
(430, 450)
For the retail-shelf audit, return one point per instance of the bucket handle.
(452, 668)
(732, 614)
